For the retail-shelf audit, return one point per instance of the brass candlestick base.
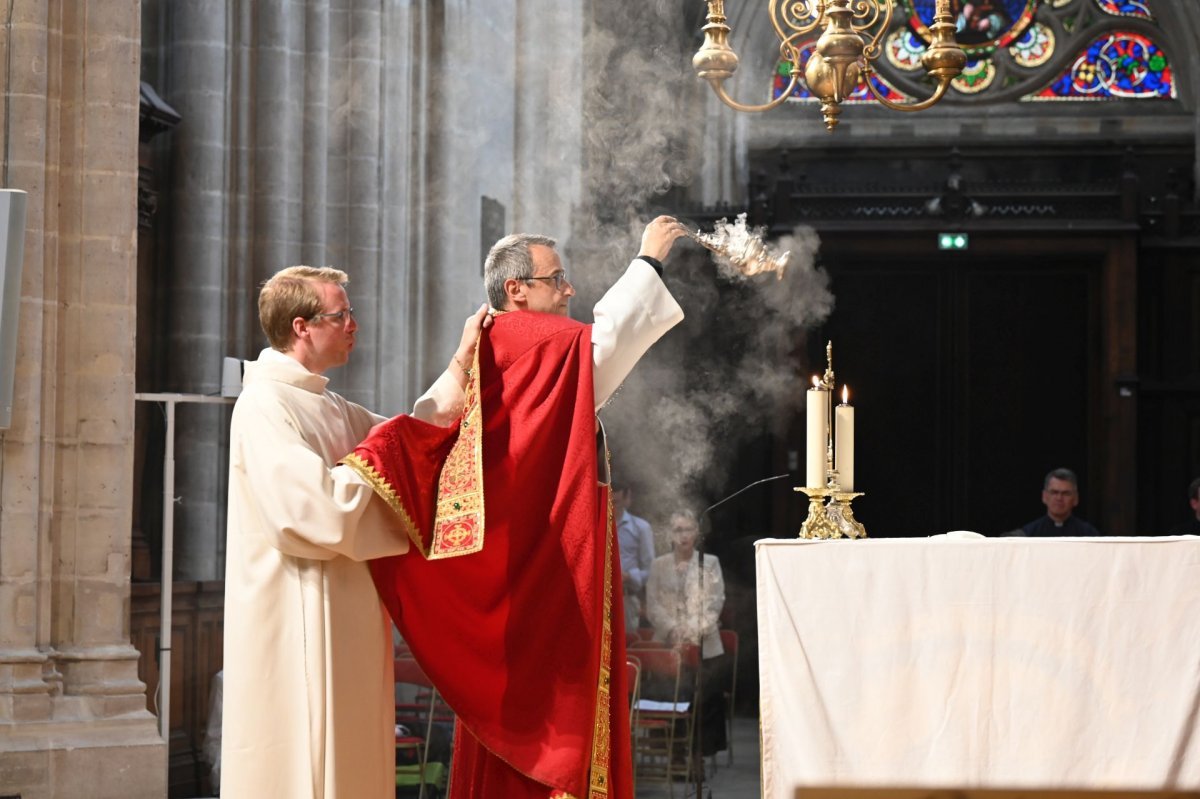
(829, 514)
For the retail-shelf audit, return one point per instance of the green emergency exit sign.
(952, 241)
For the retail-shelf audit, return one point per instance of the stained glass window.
(1126, 8)
(1010, 46)
(1117, 65)
(982, 25)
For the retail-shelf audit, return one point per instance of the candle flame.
(816, 382)
(845, 394)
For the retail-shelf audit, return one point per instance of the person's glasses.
(340, 317)
(560, 279)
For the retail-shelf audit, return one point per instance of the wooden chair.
(729, 640)
(633, 681)
(663, 736)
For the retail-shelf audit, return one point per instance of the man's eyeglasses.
(559, 280)
(338, 316)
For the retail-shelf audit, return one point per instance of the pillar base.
(111, 759)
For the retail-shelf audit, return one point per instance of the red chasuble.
(513, 607)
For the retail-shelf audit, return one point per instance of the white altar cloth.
(993, 663)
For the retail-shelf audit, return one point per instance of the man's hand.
(659, 235)
(464, 356)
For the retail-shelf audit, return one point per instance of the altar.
(986, 663)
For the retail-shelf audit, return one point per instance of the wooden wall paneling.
(196, 655)
(183, 750)
(889, 343)
(981, 371)
(1169, 389)
(1117, 390)
(1024, 380)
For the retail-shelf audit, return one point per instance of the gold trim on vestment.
(385, 491)
(600, 774)
(458, 523)
(458, 526)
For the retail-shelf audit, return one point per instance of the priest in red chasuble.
(513, 606)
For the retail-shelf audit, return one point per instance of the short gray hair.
(510, 259)
(1061, 474)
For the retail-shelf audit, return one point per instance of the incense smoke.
(729, 372)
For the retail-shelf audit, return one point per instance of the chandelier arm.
(719, 88)
(942, 87)
(777, 17)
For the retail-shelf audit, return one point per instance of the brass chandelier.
(851, 35)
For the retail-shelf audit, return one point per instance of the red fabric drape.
(523, 638)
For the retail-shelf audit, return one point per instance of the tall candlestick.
(818, 434)
(843, 448)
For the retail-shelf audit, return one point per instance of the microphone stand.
(698, 686)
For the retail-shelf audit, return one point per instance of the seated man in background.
(1060, 495)
(1191, 526)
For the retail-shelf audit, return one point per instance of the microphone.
(698, 682)
(719, 503)
(742, 490)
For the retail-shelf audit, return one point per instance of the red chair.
(633, 681)
(729, 640)
(647, 643)
(660, 749)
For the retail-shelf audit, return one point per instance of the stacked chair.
(662, 733)
(417, 720)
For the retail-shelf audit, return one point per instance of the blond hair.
(291, 293)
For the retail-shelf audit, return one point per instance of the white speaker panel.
(12, 256)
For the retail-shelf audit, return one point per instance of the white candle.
(843, 441)
(818, 435)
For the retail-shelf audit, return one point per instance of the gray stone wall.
(70, 700)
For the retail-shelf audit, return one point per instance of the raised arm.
(443, 402)
(635, 312)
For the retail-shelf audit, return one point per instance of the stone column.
(296, 147)
(72, 711)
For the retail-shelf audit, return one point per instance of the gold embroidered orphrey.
(598, 772)
(458, 524)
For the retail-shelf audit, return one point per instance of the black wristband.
(654, 262)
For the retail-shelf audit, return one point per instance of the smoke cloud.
(728, 373)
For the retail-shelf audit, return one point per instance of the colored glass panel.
(976, 76)
(982, 25)
(1126, 8)
(1035, 46)
(1118, 65)
(904, 49)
